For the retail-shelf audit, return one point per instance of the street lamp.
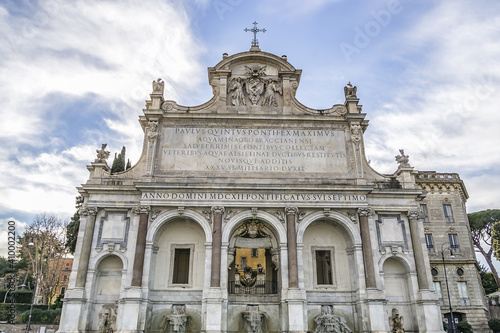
(38, 265)
(446, 280)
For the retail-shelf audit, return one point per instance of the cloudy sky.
(75, 74)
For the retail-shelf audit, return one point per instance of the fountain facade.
(254, 319)
(328, 322)
(177, 321)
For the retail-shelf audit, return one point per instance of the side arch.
(94, 263)
(343, 221)
(173, 214)
(407, 263)
(271, 219)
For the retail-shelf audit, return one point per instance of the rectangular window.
(66, 267)
(323, 267)
(255, 253)
(181, 266)
(454, 246)
(448, 214)
(463, 293)
(439, 292)
(63, 290)
(429, 242)
(424, 212)
(243, 262)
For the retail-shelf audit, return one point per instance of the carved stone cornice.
(142, 209)
(365, 211)
(217, 209)
(86, 211)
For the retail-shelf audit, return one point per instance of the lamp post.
(38, 265)
(452, 329)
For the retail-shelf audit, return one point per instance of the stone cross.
(255, 42)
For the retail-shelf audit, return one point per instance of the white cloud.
(105, 51)
(443, 112)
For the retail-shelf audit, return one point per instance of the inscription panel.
(253, 150)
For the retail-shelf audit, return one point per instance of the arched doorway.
(253, 259)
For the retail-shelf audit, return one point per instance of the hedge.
(20, 308)
(21, 295)
(50, 317)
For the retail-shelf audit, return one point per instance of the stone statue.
(158, 86)
(237, 98)
(102, 154)
(272, 86)
(350, 91)
(396, 322)
(403, 159)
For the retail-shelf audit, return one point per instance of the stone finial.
(350, 91)
(403, 159)
(102, 154)
(158, 86)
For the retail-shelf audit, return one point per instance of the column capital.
(86, 211)
(413, 215)
(217, 209)
(141, 209)
(291, 210)
(365, 211)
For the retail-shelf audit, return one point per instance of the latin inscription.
(267, 197)
(260, 150)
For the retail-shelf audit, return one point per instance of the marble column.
(140, 245)
(418, 252)
(217, 212)
(367, 247)
(293, 273)
(83, 264)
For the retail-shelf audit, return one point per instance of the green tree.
(119, 162)
(488, 281)
(485, 236)
(73, 227)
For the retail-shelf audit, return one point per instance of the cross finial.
(255, 42)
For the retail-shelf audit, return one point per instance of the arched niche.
(172, 215)
(108, 278)
(397, 285)
(340, 220)
(327, 255)
(179, 260)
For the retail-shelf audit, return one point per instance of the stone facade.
(445, 192)
(255, 213)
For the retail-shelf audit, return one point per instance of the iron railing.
(259, 288)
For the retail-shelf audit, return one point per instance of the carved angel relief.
(254, 86)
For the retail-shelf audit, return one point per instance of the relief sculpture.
(255, 87)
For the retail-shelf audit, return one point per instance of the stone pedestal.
(213, 314)
(297, 317)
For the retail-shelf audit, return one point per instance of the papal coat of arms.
(255, 84)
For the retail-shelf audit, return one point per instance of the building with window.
(253, 212)
(447, 225)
